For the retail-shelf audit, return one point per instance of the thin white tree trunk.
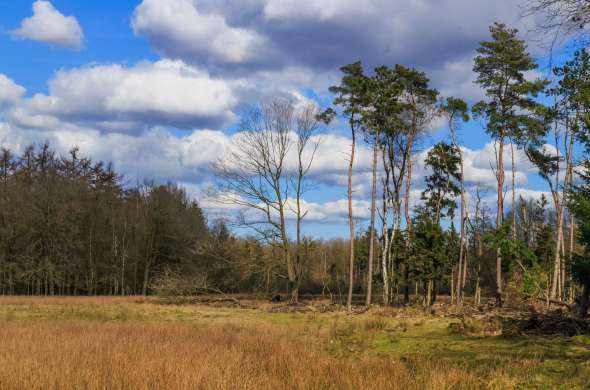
(372, 232)
(351, 226)
(499, 216)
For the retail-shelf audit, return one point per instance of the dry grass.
(74, 300)
(136, 343)
(78, 354)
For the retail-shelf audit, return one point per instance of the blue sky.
(108, 38)
(156, 86)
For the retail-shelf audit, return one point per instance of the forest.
(73, 226)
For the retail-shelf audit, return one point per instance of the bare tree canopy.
(257, 175)
(560, 19)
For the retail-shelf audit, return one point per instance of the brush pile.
(513, 323)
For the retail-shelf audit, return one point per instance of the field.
(144, 343)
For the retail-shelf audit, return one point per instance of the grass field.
(141, 343)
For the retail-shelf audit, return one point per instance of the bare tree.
(306, 125)
(253, 176)
(256, 176)
(559, 19)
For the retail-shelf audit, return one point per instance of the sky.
(158, 86)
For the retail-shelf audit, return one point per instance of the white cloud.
(48, 25)
(478, 165)
(334, 211)
(245, 37)
(151, 93)
(314, 10)
(10, 92)
(178, 26)
(129, 99)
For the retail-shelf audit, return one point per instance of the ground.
(148, 343)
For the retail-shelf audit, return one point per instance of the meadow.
(147, 343)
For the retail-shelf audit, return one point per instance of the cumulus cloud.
(129, 99)
(255, 35)
(333, 211)
(10, 92)
(120, 99)
(479, 163)
(178, 28)
(48, 25)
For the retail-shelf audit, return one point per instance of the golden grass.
(137, 343)
(73, 300)
(79, 354)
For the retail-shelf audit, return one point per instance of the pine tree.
(501, 66)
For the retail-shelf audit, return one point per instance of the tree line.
(69, 226)
(73, 226)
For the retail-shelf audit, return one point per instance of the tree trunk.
(464, 275)
(291, 270)
(372, 231)
(428, 293)
(571, 256)
(462, 234)
(513, 192)
(572, 225)
(295, 289)
(408, 221)
(146, 274)
(477, 296)
(584, 301)
(500, 218)
(351, 225)
(452, 284)
(557, 258)
(385, 249)
(433, 300)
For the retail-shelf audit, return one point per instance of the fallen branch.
(226, 297)
(556, 302)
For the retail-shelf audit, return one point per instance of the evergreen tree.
(442, 186)
(580, 206)
(501, 67)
